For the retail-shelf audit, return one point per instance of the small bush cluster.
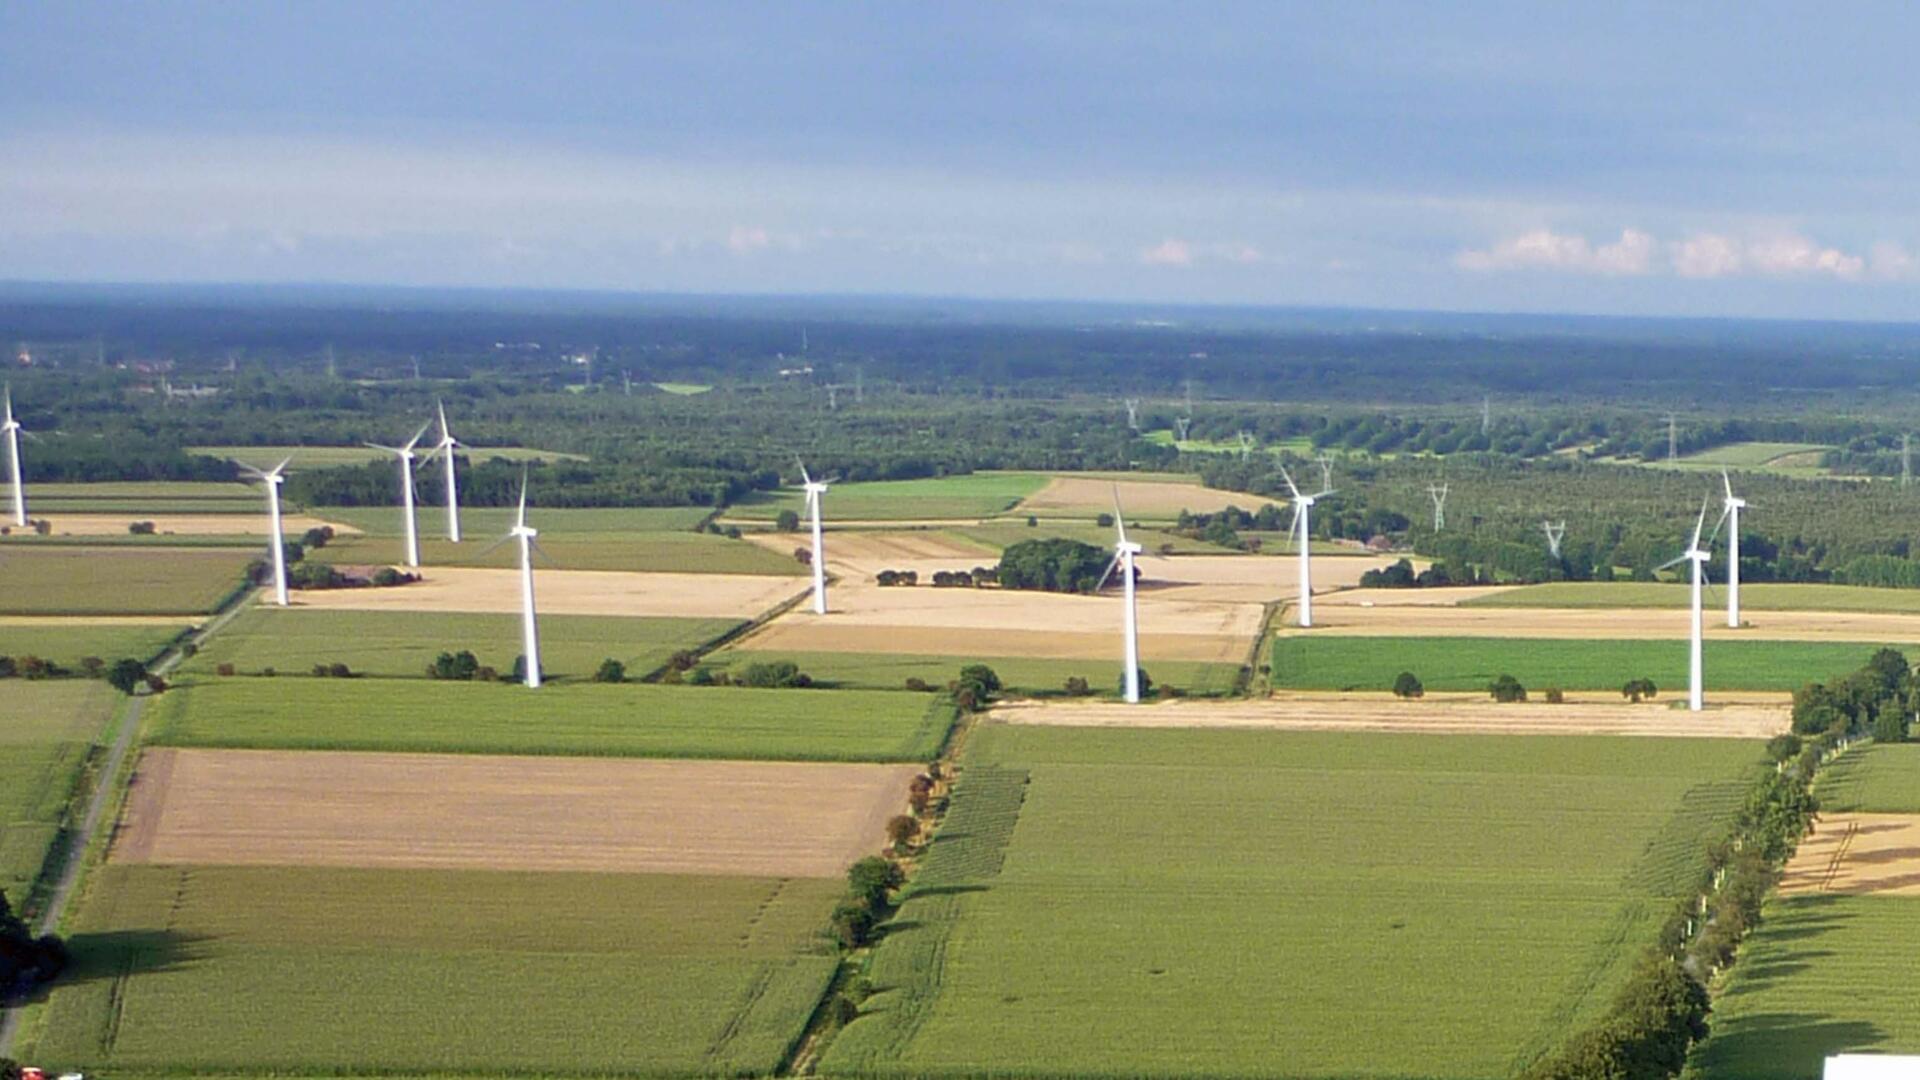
(975, 687)
(1401, 575)
(1078, 687)
(870, 885)
(1407, 685)
(775, 675)
(461, 666)
(1507, 690)
(26, 961)
(335, 670)
(1637, 689)
(901, 578)
(318, 537)
(610, 671)
(140, 528)
(29, 666)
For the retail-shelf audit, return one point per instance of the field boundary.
(701, 651)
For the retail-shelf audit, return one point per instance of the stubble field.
(569, 592)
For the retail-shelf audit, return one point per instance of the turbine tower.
(529, 624)
(1302, 529)
(404, 455)
(1438, 493)
(446, 447)
(12, 428)
(1124, 551)
(1555, 532)
(1697, 558)
(815, 489)
(276, 538)
(1730, 514)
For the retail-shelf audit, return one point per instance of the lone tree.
(1407, 685)
(611, 670)
(1639, 688)
(126, 674)
(787, 521)
(1507, 689)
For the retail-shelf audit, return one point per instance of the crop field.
(248, 529)
(403, 643)
(1217, 903)
(1759, 596)
(684, 389)
(317, 971)
(1313, 661)
(117, 581)
(66, 641)
(327, 457)
(424, 811)
(482, 525)
(569, 592)
(561, 718)
(1022, 674)
(645, 552)
(150, 497)
(1149, 499)
(999, 535)
(973, 495)
(1880, 779)
(1646, 624)
(46, 728)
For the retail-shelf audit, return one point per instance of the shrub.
(1890, 724)
(978, 683)
(386, 577)
(7, 668)
(1104, 520)
(901, 829)
(699, 676)
(1783, 747)
(268, 673)
(126, 675)
(462, 665)
(787, 521)
(1407, 685)
(915, 682)
(842, 1010)
(32, 667)
(140, 528)
(733, 532)
(1555, 696)
(1636, 689)
(870, 879)
(155, 684)
(314, 575)
(520, 670)
(775, 674)
(1507, 689)
(611, 671)
(852, 924)
(339, 670)
(1078, 687)
(319, 671)
(1032, 522)
(682, 660)
(483, 673)
(224, 669)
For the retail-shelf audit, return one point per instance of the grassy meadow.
(974, 495)
(1880, 779)
(1026, 675)
(403, 643)
(1216, 903)
(1759, 596)
(647, 552)
(46, 728)
(1316, 662)
(67, 643)
(305, 713)
(310, 972)
(118, 580)
(1786, 459)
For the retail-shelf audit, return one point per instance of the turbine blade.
(418, 435)
(441, 408)
(804, 478)
(542, 552)
(1288, 477)
(1108, 573)
(1119, 519)
(1725, 513)
(1700, 524)
(284, 462)
(1670, 563)
(377, 446)
(1728, 481)
(491, 548)
(521, 520)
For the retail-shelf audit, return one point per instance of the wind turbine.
(404, 455)
(1698, 558)
(529, 623)
(1730, 513)
(13, 430)
(815, 489)
(1302, 529)
(277, 539)
(1123, 552)
(445, 447)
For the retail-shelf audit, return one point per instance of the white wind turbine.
(529, 624)
(444, 448)
(13, 431)
(1730, 514)
(1697, 558)
(404, 455)
(815, 489)
(277, 540)
(1302, 531)
(1124, 551)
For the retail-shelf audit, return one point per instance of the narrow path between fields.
(75, 856)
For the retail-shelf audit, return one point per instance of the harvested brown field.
(1624, 623)
(1409, 597)
(570, 592)
(293, 525)
(861, 555)
(1857, 854)
(993, 622)
(1249, 578)
(1087, 496)
(460, 811)
(1754, 716)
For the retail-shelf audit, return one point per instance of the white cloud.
(1713, 255)
(1168, 252)
(1789, 253)
(1706, 255)
(1891, 261)
(1549, 250)
(745, 238)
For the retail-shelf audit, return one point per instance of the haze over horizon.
(1729, 161)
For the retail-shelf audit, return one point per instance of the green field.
(46, 728)
(560, 718)
(1317, 662)
(403, 643)
(648, 552)
(974, 495)
(148, 490)
(482, 525)
(887, 671)
(1786, 459)
(1759, 596)
(327, 457)
(308, 972)
(1212, 903)
(118, 581)
(67, 644)
(1879, 779)
(684, 389)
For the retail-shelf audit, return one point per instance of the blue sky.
(1749, 159)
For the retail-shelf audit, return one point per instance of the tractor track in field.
(73, 858)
